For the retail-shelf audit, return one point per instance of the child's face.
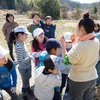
(68, 44)
(48, 21)
(54, 71)
(55, 51)
(22, 37)
(3, 60)
(10, 18)
(96, 28)
(40, 38)
(36, 19)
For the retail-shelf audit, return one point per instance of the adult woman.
(83, 75)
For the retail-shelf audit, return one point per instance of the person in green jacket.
(35, 24)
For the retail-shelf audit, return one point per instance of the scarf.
(87, 37)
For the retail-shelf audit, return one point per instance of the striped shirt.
(22, 55)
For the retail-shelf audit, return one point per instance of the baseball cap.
(53, 43)
(21, 29)
(53, 61)
(37, 32)
(3, 52)
(67, 36)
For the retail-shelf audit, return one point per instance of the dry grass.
(62, 26)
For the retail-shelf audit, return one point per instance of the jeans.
(82, 90)
(10, 46)
(14, 96)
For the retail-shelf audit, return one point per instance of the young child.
(83, 74)
(24, 59)
(96, 28)
(69, 43)
(38, 43)
(8, 76)
(48, 27)
(47, 78)
(9, 25)
(36, 22)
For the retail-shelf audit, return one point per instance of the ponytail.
(14, 36)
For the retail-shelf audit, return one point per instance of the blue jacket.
(48, 29)
(7, 78)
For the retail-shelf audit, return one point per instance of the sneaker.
(66, 96)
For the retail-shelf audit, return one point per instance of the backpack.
(42, 56)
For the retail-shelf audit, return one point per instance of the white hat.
(3, 52)
(53, 61)
(37, 32)
(67, 36)
(21, 29)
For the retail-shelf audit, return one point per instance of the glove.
(13, 89)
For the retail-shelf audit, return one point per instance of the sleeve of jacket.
(16, 24)
(14, 76)
(4, 29)
(53, 31)
(42, 24)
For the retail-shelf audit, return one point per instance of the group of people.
(58, 64)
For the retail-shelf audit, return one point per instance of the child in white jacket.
(47, 78)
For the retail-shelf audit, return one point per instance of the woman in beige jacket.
(9, 25)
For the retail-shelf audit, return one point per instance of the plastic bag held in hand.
(13, 89)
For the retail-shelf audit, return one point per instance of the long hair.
(9, 65)
(35, 44)
(13, 36)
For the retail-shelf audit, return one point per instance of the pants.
(57, 95)
(10, 46)
(64, 79)
(82, 90)
(14, 96)
(98, 71)
(25, 75)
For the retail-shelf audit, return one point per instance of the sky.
(86, 1)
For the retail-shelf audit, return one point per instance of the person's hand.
(13, 89)
(62, 41)
(35, 54)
